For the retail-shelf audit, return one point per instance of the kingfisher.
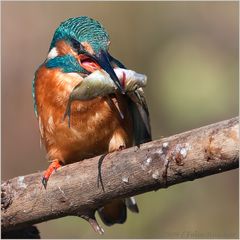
(79, 48)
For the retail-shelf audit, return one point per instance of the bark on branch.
(75, 190)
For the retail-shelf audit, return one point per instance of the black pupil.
(77, 46)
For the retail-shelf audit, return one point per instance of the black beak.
(103, 60)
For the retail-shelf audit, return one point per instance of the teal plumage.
(82, 29)
(34, 97)
(67, 63)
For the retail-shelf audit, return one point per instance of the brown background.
(189, 50)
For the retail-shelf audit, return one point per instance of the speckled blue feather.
(82, 29)
(67, 63)
(33, 95)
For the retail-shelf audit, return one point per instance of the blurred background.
(188, 50)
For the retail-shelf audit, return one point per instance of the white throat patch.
(53, 53)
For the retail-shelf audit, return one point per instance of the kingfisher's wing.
(140, 114)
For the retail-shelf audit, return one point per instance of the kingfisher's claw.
(44, 182)
(53, 166)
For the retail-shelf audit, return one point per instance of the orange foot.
(53, 166)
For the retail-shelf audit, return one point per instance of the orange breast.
(96, 126)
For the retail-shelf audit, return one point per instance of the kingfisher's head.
(81, 45)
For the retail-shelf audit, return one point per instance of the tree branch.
(74, 189)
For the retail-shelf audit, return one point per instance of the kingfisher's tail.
(116, 210)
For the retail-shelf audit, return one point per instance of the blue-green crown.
(82, 29)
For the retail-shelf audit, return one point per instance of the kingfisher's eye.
(77, 46)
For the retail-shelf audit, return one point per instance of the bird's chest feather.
(92, 122)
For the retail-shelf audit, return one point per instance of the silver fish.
(99, 83)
